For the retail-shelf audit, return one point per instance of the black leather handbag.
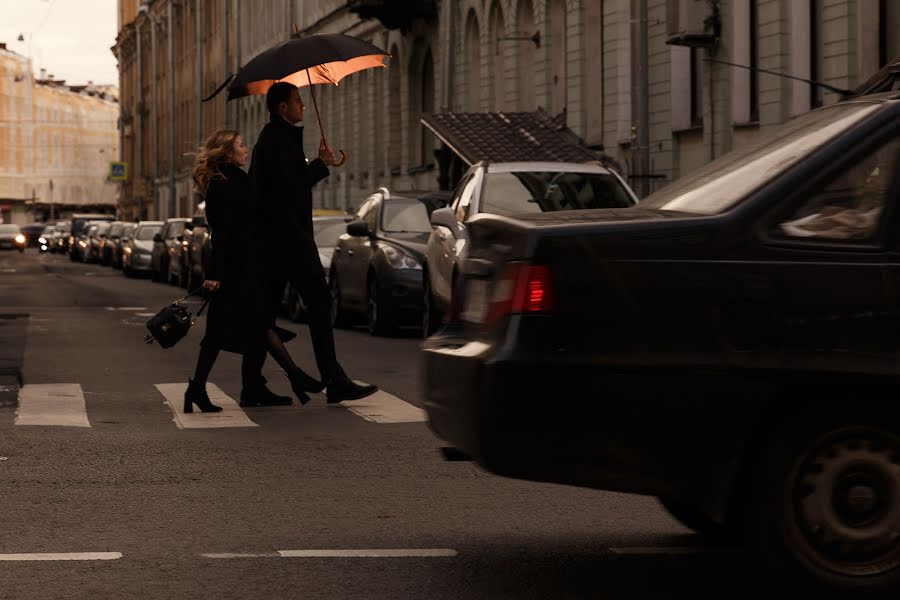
(172, 323)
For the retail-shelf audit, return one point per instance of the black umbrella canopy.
(312, 59)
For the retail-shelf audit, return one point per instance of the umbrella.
(306, 60)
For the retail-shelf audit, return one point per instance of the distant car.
(80, 222)
(137, 253)
(12, 238)
(60, 240)
(111, 242)
(326, 231)
(32, 233)
(96, 239)
(46, 238)
(118, 250)
(376, 270)
(167, 247)
(728, 345)
(507, 189)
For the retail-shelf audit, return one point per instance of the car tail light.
(522, 289)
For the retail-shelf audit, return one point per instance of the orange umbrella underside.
(331, 72)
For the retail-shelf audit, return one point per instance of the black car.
(729, 345)
(326, 231)
(376, 269)
(167, 249)
(78, 234)
(197, 251)
(119, 248)
(33, 233)
(110, 244)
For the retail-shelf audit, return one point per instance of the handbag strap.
(199, 312)
(191, 293)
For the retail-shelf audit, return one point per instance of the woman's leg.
(205, 361)
(281, 355)
(196, 390)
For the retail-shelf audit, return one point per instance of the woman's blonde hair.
(216, 151)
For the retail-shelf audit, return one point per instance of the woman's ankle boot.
(196, 394)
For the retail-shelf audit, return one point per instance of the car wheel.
(338, 318)
(695, 519)
(825, 510)
(377, 317)
(431, 318)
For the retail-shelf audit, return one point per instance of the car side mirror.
(358, 229)
(445, 217)
(158, 238)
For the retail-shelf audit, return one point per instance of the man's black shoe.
(340, 391)
(263, 396)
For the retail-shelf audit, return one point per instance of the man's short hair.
(278, 93)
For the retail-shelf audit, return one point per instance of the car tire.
(431, 317)
(695, 519)
(824, 513)
(377, 309)
(338, 316)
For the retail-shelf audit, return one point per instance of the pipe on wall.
(171, 120)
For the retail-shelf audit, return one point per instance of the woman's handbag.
(172, 323)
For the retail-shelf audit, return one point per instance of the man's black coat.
(283, 182)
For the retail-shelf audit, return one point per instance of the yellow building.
(56, 143)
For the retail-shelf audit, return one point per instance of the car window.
(116, 230)
(405, 216)
(723, 183)
(465, 200)
(541, 191)
(9, 229)
(850, 206)
(127, 230)
(174, 229)
(457, 193)
(146, 233)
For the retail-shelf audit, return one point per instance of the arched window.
(526, 28)
(473, 62)
(498, 95)
(421, 102)
(557, 29)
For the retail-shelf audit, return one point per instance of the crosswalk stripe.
(231, 415)
(60, 404)
(62, 556)
(382, 407)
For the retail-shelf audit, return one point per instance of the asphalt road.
(194, 512)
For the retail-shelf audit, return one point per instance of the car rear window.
(723, 183)
(9, 229)
(147, 232)
(405, 216)
(521, 192)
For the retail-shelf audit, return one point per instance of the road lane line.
(371, 553)
(231, 415)
(62, 556)
(58, 404)
(382, 407)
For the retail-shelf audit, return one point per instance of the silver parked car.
(508, 188)
(138, 250)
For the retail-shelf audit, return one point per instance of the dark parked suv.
(729, 345)
(167, 248)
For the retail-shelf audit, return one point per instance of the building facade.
(660, 86)
(56, 143)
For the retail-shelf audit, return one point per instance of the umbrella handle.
(343, 158)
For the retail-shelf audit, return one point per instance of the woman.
(238, 319)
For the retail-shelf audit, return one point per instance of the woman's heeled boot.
(195, 394)
(301, 383)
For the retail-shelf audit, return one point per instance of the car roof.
(160, 223)
(330, 218)
(552, 167)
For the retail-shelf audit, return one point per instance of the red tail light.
(522, 289)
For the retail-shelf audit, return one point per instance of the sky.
(70, 38)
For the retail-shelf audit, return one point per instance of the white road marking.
(231, 415)
(382, 407)
(144, 314)
(370, 553)
(60, 404)
(672, 550)
(63, 556)
(126, 308)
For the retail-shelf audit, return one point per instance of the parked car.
(77, 233)
(118, 250)
(60, 240)
(32, 233)
(326, 231)
(728, 345)
(376, 270)
(198, 250)
(46, 238)
(11, 238)
(167, 247)
(138, 252)
(507, 189)
(108, 247)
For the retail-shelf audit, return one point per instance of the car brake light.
(522, 289)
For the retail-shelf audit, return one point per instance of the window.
(465, 199)
(541, 191)
(849, 207)
(405, 216)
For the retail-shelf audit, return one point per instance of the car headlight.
(82, 244)
(398, 260)
(42, 240)
(127, 250)
(20, 239)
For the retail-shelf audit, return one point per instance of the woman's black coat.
(239, 314)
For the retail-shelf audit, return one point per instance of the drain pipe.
(171, 119)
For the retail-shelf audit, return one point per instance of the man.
(283, 182)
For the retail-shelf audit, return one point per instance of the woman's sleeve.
(220, 207)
